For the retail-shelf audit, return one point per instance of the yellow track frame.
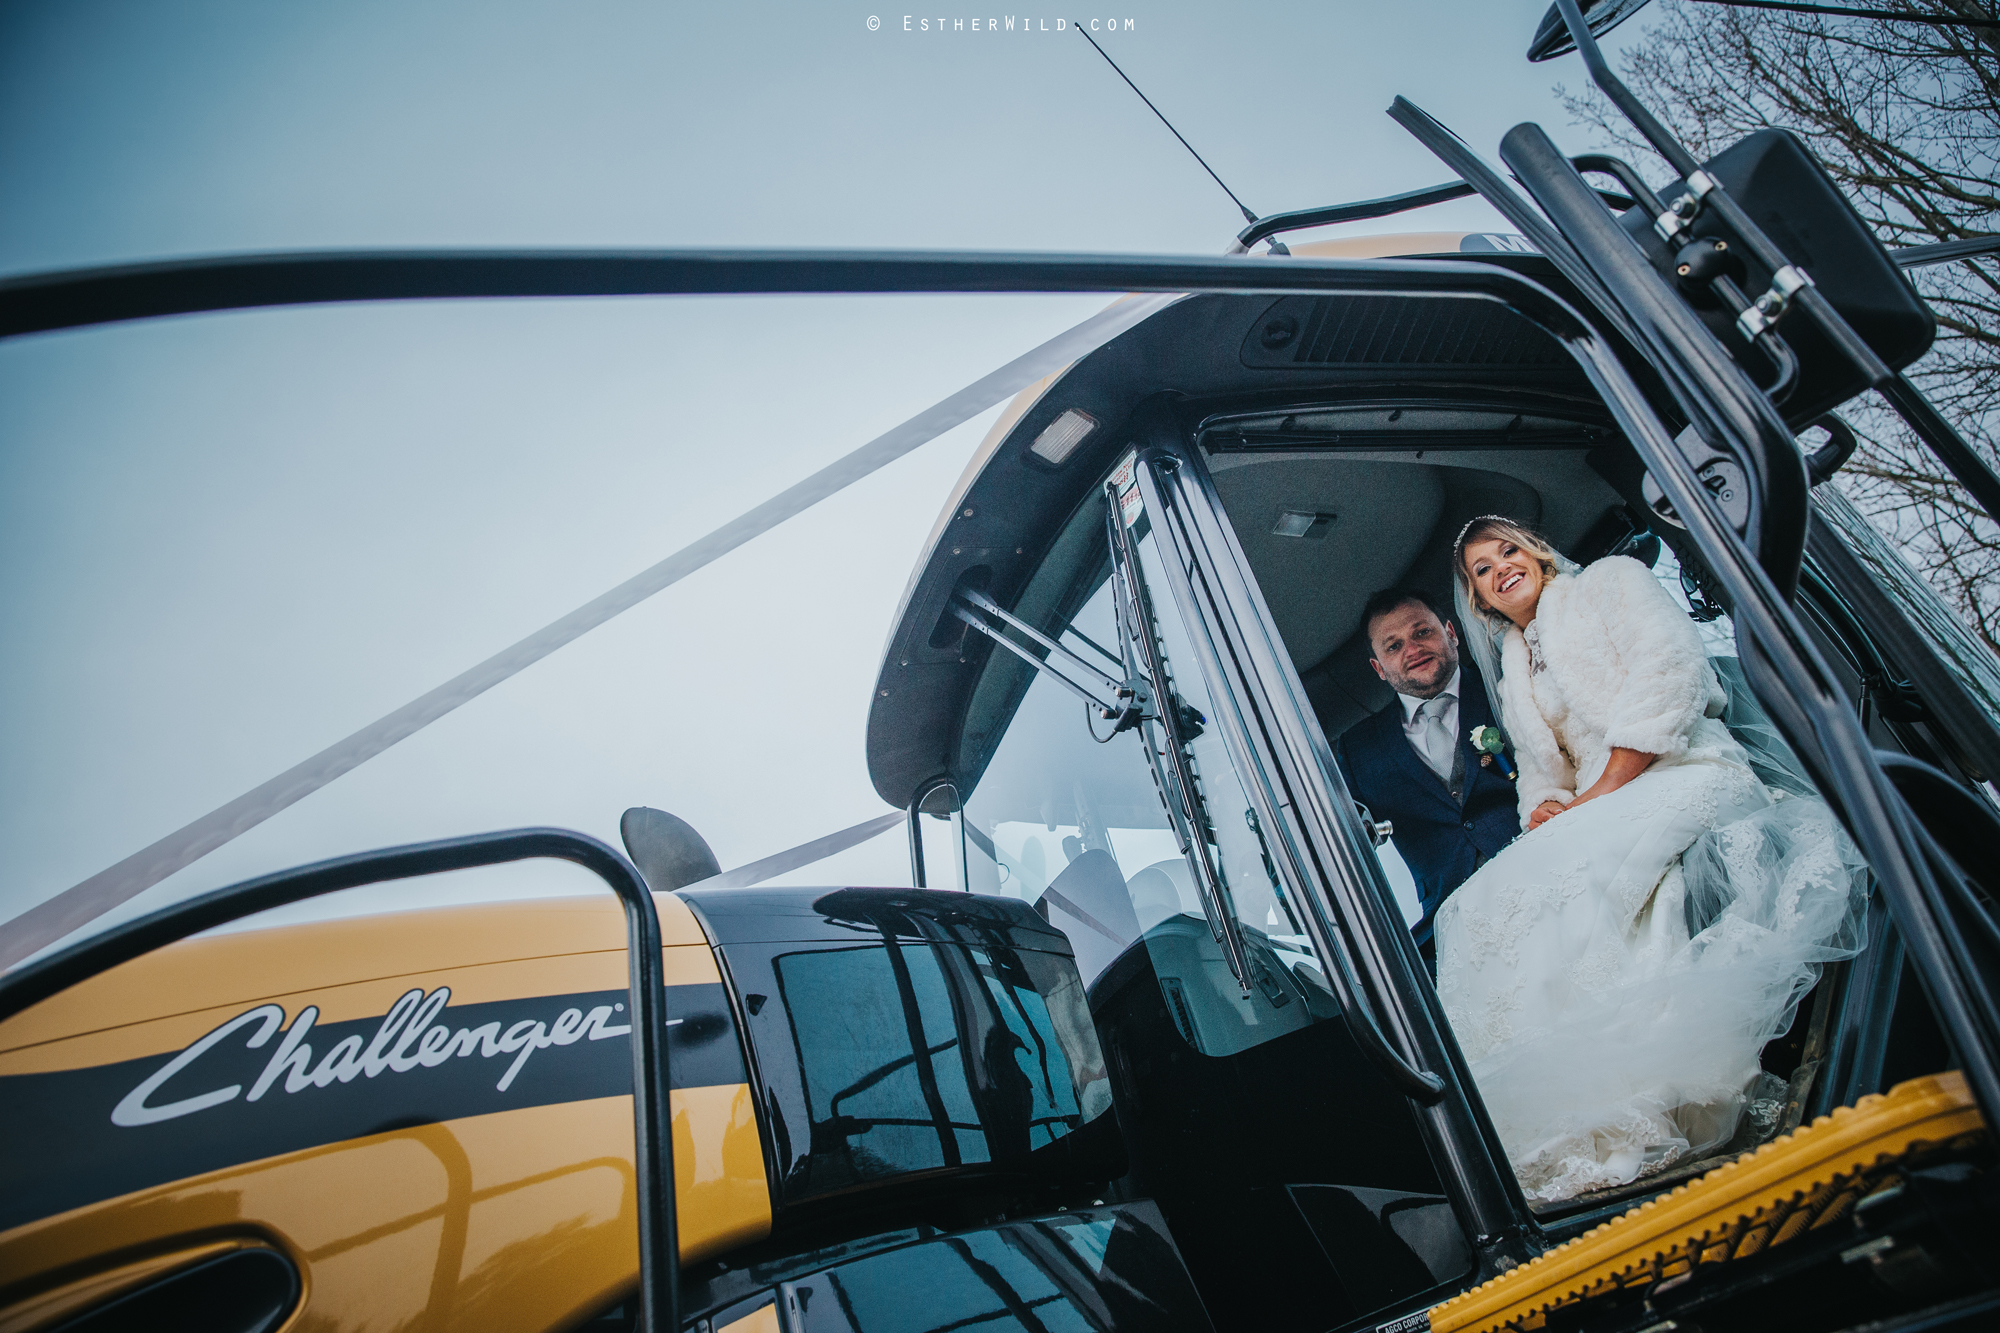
(1806, 1179)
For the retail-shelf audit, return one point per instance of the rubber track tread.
(1805, 1179)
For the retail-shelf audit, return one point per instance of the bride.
(1613, 973)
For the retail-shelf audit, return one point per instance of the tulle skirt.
(1612, 975)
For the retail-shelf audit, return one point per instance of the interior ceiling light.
(1302, 523)
(1061, 437)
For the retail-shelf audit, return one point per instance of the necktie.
(1436, 740)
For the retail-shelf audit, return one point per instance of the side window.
(1073, 819)
(905, 1056)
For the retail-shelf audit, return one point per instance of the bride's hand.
(1543, 813)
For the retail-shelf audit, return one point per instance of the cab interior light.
(1060, 437)
(1306, 523)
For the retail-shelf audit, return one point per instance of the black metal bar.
(916, 832)
(1850, 12)
(1626, 174)
(1709, 386)
(1360, 211)
(1959, 457)
(1099, 648)
(1830, 457)
(1389, 205)
(652, 1138)
(79, 298)
(1456, 154)
(1943, 252)
(1614, 88)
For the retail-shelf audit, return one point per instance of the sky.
(229, 540)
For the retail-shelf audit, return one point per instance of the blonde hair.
(1489, 527)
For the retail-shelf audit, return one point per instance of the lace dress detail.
(1612, 975)
(1549, 700)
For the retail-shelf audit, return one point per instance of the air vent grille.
(1311, 331)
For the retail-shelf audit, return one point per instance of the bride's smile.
(1508, 579)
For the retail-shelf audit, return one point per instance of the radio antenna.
(1248, 216)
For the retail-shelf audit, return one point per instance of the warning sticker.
(1125, 483)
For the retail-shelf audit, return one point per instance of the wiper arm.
(1122, 701)
(1178, 725)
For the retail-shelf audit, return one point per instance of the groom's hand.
(1543, 813)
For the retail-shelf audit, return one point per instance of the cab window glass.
(1070, 818)
(917, 1057)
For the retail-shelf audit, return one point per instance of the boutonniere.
(1492, 747)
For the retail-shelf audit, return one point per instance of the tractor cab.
(1116, 689)
(1149, 1043)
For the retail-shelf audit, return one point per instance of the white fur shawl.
(1628, 662)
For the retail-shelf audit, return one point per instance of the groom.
(1413, 762)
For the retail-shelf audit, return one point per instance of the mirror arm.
(659, 1247)
(1614, 88)
(1830, 457)
(1388, 206)
(1944, 252)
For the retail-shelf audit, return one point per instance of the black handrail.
(1387, 206)
(80, 298)
(1710, 387)
(652, 1140)
(1360, 211)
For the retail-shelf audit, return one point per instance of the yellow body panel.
(53, 1304)
(518, 1220)
(1783, 1188)
(521, 1218)
(764, 1319)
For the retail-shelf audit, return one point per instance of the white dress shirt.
(1440, 756)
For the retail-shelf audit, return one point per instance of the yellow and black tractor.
(1149, 1044)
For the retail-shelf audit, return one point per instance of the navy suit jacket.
(1442, 841)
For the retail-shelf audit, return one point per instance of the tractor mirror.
(667, 850)
(1552, 38)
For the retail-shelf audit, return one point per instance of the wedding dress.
(1612, 975)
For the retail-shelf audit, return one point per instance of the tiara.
(1458, 544)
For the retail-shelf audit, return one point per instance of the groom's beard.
(1427, 682)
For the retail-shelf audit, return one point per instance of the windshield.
(1088, 826)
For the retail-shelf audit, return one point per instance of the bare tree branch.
(1907, 121)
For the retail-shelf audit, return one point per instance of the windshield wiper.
(1124, 702)
(1180, 724)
